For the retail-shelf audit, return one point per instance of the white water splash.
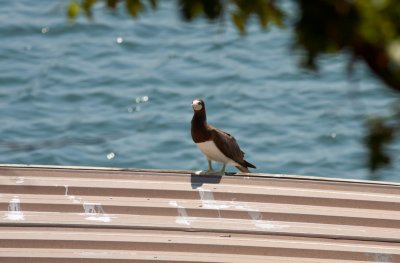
(182, 218)
(19, 180)
(74, 199)
(258, 221)
(208, 200)
(173, 203)
(95, 212)
(242, 206)
(14, 212)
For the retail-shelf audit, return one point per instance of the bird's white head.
(197, 104)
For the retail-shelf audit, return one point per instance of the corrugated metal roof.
(72, 214)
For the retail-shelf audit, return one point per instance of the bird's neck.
(199, 119)
(200, 133)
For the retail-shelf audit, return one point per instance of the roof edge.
(253, 175)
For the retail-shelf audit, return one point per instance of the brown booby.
(214, 143)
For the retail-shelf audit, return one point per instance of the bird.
(217, 145)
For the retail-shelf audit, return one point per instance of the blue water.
(117, 92)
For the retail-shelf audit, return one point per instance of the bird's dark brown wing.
(227, 144)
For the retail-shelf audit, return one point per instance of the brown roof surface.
(71, 214)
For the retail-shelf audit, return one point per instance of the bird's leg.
(222, 172)
(210, 169)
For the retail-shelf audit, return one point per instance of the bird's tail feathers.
(249, 164)
(243, 169)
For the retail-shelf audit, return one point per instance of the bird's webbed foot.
(211, 171)
(222, 172)
(208, 172)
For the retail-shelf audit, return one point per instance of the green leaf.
(134, 7)
(276, 15)
(380, 133)
(73, 10)
(112, 4)
(190, 8)
(263, 17)
(212, 8)
(87, 7)
(239, 21)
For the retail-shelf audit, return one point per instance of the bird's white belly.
(211, 151)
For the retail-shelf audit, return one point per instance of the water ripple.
(117, 92)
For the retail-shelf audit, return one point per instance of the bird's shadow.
(197, 180)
